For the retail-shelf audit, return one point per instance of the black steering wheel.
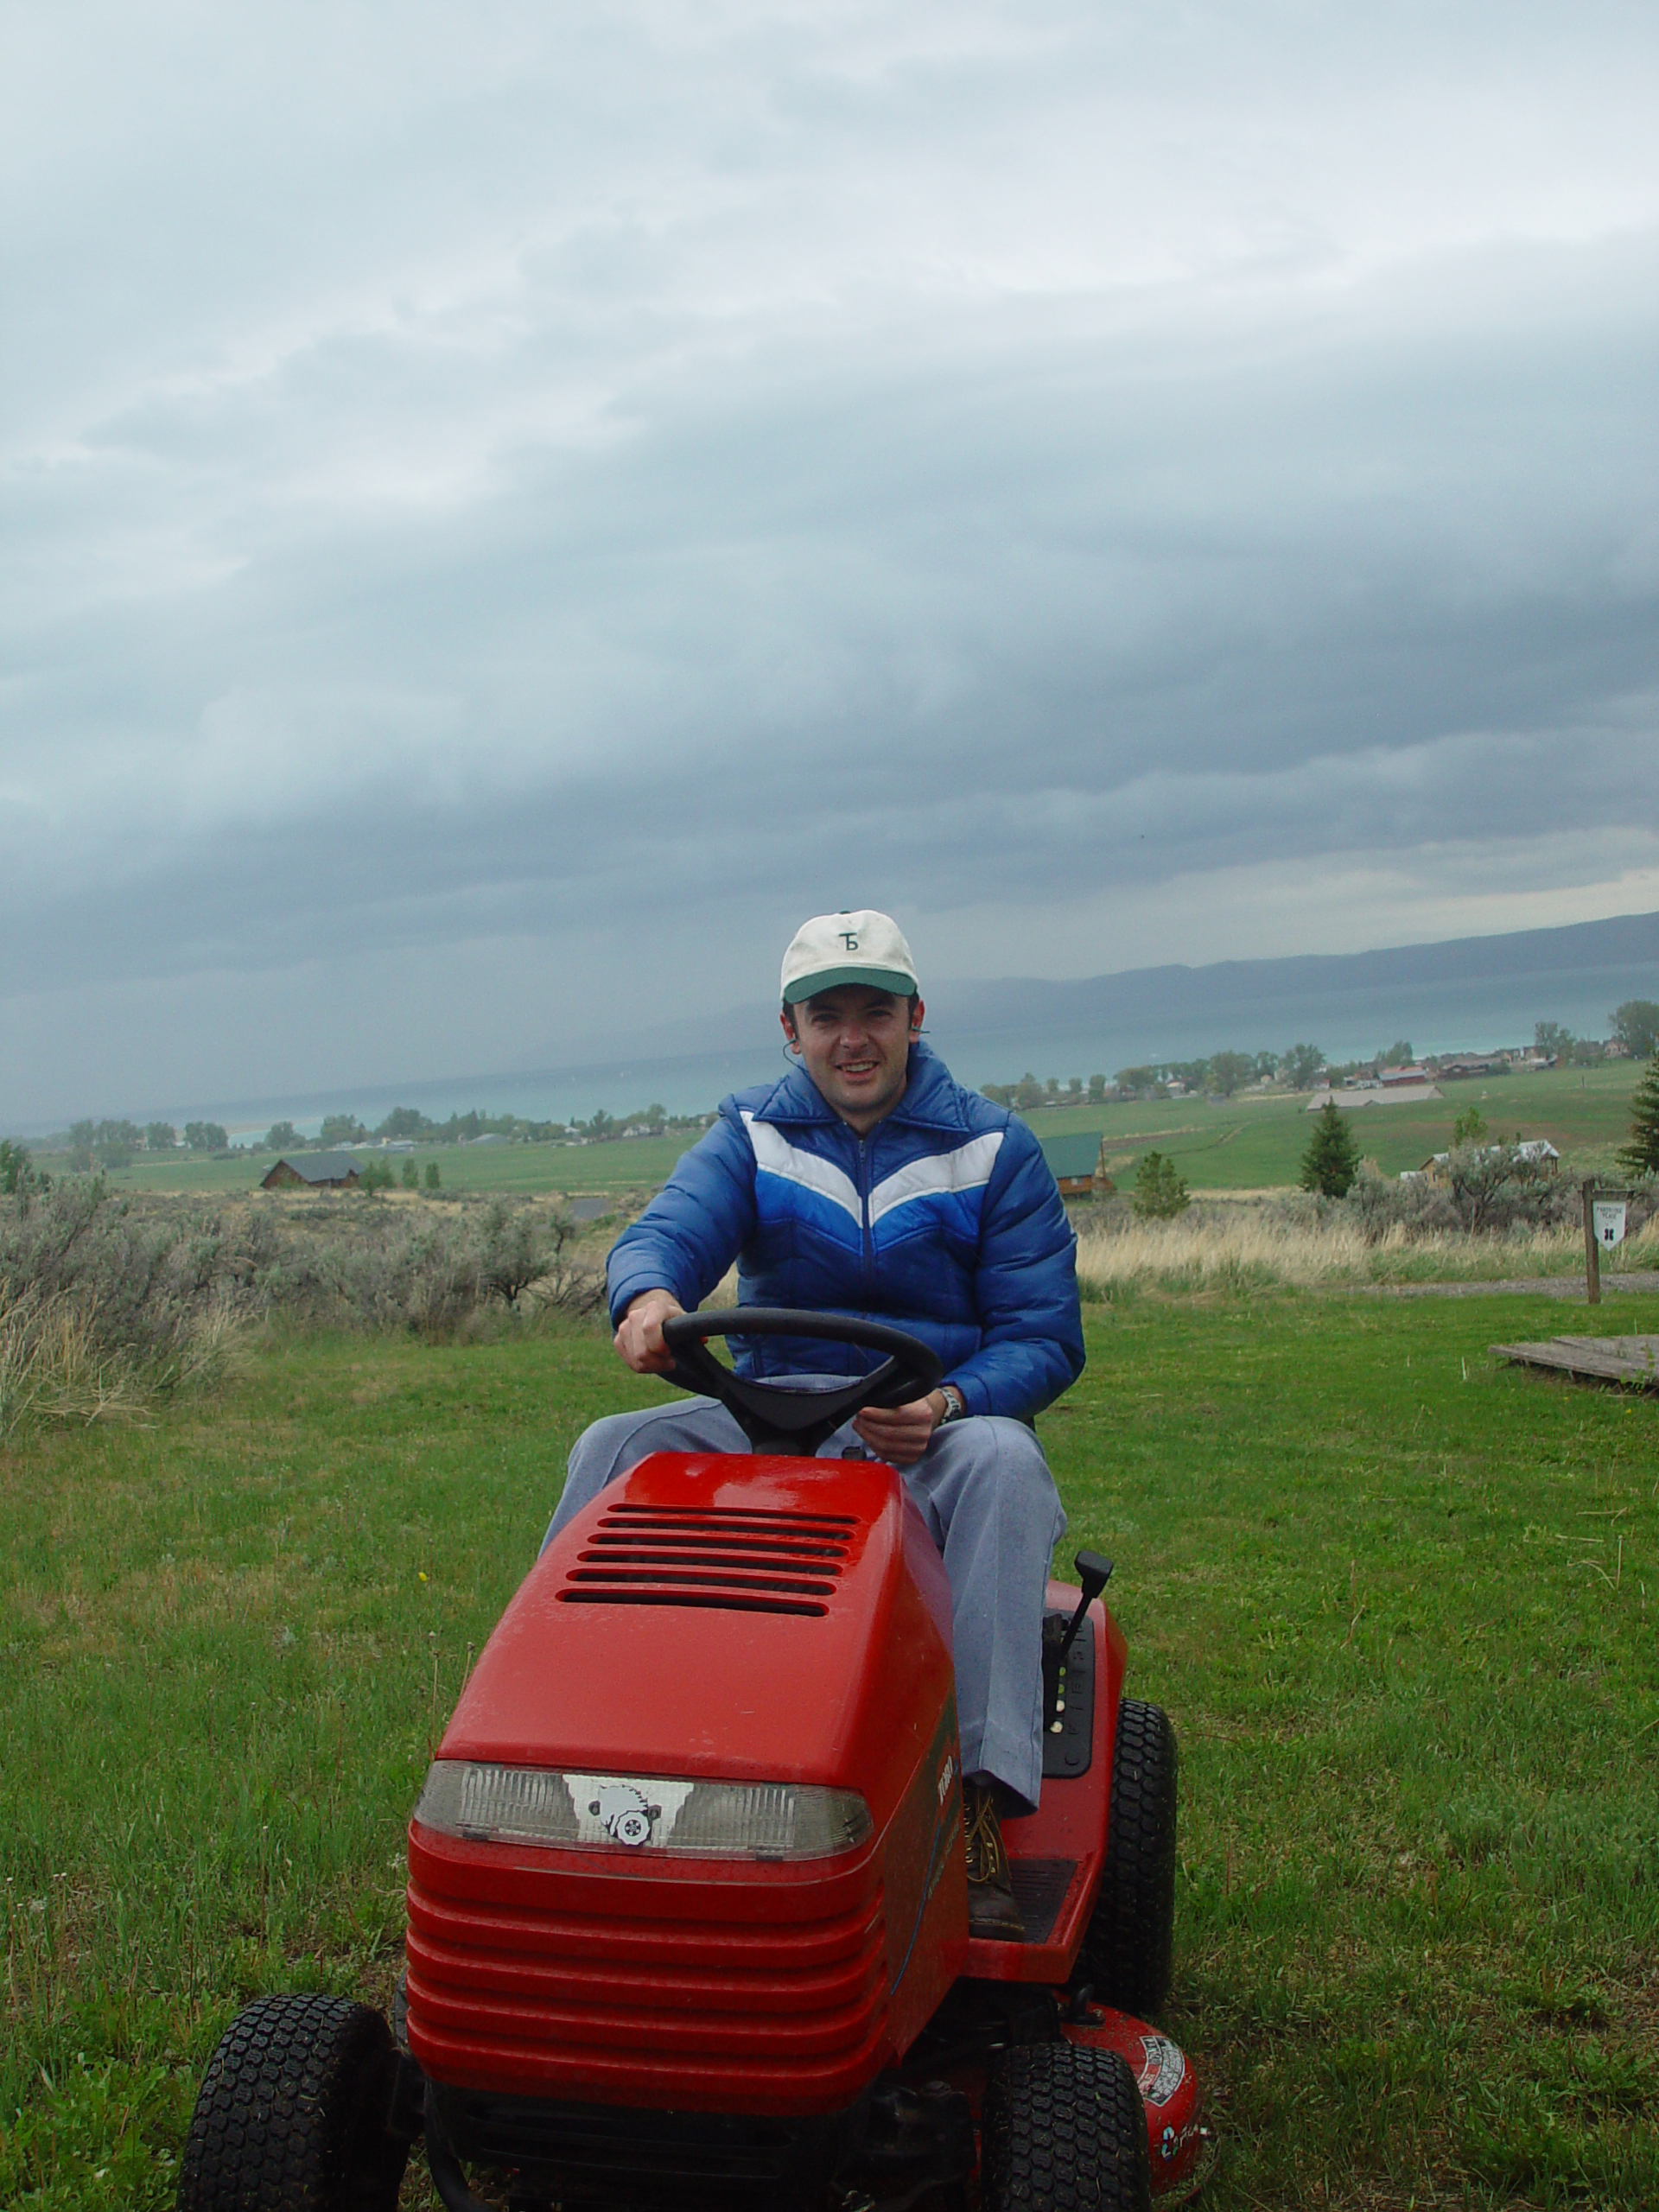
(780, 1416)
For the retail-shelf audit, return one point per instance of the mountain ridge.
(1180, 990)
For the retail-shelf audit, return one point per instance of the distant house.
(1404, 1078)
(1075, 1164)
(312, 1171)
(1462, 1067)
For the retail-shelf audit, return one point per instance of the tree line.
(1222, 1075)
(117, 1143)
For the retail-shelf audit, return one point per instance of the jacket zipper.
(867, 1262)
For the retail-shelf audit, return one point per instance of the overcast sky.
(507, 508)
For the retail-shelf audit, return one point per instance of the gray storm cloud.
(601, 484)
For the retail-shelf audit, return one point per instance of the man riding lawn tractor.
(867, 1183)
(689, 1925)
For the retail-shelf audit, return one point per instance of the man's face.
(855, 1044)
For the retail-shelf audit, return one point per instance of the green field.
(1255, 1143)
(1399, 1600)
(1250, 1143)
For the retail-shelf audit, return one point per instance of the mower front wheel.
(1129, 1946)
(293, 2113)
(1062, 2130)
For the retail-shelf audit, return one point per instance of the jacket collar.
(930, 1100)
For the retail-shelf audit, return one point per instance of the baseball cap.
(858, 947)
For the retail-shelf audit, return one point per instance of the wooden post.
(1591, 1254)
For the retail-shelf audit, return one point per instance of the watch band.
(955, 1406)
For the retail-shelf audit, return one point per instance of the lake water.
(1475, 1015)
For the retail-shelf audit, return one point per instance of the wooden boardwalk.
(1631, 1360)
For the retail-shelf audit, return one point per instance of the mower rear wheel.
(292, 2113)
(1062, 2130)
(1129, 1947)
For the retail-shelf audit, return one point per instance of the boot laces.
(987, 1861)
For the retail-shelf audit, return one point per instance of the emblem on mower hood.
(623, 1814)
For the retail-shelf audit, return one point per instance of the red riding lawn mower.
(687, 1912)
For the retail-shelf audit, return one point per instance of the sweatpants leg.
(611, 1446)
(984, 1490)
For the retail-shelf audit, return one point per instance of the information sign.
(1608, 1214)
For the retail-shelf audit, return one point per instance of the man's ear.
(791, 1039)
(916, 1013)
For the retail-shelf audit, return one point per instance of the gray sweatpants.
(984, 1490)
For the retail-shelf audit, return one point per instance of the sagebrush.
(105, 1302)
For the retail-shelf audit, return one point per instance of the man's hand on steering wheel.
(638, 1338)
(900, 1434)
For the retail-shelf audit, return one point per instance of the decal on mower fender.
(1171, 2146)
(1161, 2072)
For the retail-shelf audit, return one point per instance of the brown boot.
(991, 1909)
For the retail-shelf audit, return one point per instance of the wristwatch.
(955, 1406)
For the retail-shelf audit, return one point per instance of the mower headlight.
(707, 1820)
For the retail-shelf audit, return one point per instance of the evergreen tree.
(1160, 1189)
(1331, 1160)
(1641, 1155)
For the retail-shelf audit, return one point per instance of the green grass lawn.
(1400, 1601)
(1253, 1143)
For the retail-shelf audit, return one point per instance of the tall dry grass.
(53, 1368)
(1252, 1247)
(56, 1363)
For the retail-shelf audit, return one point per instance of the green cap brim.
(830, 979)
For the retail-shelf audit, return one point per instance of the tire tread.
(1130, 1943)
(1064, 2131)
(289, 2117)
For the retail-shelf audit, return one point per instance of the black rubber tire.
(1063, 2129)
(291, 2114)
(1129, 1947)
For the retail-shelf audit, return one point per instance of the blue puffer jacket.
(944, 1220)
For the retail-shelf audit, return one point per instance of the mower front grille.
(753, 1560)
(556, 1992)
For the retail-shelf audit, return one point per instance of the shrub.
(100, 1308)
(432, 1176)
(1379, 1204)
(104, 1304)
(1495, 1186)
(18, 1174)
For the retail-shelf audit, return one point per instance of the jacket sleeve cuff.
(629, 1286)
(976, 1395)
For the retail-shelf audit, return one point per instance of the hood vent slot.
(741, 1559)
